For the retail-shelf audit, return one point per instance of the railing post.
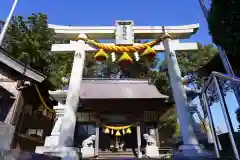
(204, 98)
(227, 118)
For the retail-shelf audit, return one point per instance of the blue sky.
(105, 12)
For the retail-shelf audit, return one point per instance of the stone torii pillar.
(60, 143)
(69, 119)
(190, 141)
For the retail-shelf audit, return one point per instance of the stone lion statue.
(150, 140)
(89, 141)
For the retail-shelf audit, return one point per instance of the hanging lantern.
(129, 131)
(100, 56)
(118, 133)
(149, 52)
(136, 55)
(106, 131)
(112, 131)
(125, 59)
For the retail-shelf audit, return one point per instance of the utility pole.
(222, 53)
(7, 22)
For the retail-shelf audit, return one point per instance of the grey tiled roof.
(20, 67)
(108, 89)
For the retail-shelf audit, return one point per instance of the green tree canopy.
(189, 63)
(224, 24)
(30, 41)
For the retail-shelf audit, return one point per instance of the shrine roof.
(17, 68)
(113, 89)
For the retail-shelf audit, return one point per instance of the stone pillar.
(139, 140)
(189, 138)
(97, 139)
(53, 140)
(69, 118)
(157, 135)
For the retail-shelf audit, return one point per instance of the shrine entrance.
(117, 143)
(117, 133)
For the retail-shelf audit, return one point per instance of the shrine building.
(117, 108)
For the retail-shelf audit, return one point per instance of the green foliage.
(189, 62)
(238, 115)
(170, 125)
(61, 67)
(160, 79)
(177, 131)
(30, 40)
(224, 24)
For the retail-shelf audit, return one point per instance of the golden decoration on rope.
(118, 133)
(149, 52)
(117, 129)
(107, 131)
(145, 49)
(42, 100)
(125, 59)
(121, 49)
(129, 131)
(100, 56)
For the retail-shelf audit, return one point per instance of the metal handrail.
(215, 76)
(219, 75)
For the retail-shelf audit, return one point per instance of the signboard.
(124, 34)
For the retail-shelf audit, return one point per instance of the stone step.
(116, 155)
(115, 158)
(16, 154)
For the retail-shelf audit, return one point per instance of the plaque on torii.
(124, 34)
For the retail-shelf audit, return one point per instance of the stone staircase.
(19, 155)
(116, 155)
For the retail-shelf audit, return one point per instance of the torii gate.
(170, 44)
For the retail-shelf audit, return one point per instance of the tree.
(62, 67)
(189, 63)
(224, 24)
(30, 40)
